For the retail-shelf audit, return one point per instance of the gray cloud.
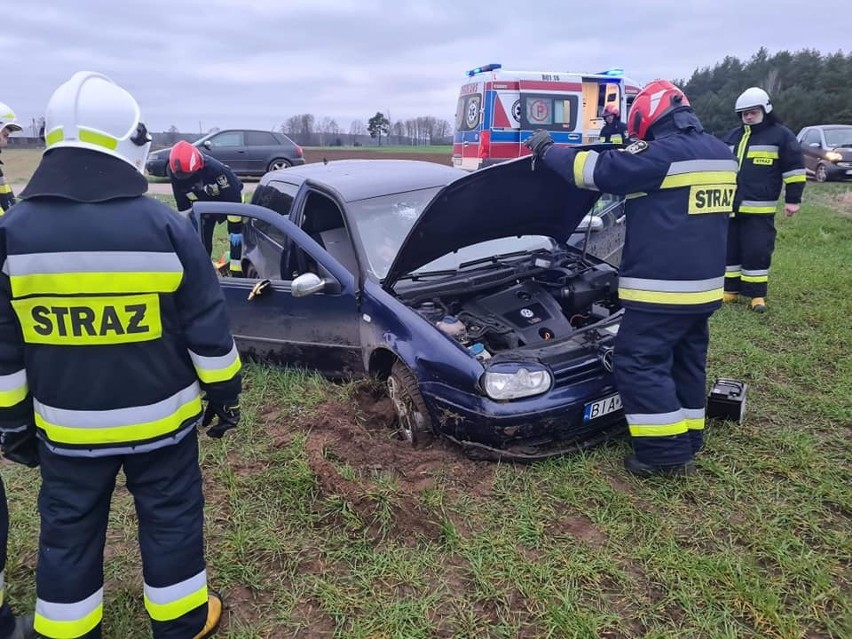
(204, 63)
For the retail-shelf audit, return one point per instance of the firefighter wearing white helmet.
(114, 326)
(769, 158)
(8, 125)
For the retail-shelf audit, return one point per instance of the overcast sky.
(253, 63)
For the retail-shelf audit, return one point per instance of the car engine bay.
(546, 299)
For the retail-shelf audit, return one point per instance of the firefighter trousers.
(659, 370)
(7, 619)
(74, 503)
(751, 241)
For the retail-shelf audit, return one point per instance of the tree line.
(309, 130)
(806, 87)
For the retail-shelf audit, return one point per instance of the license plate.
(602, 407)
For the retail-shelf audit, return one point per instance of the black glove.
(539, 142)
(228, 414)
(21, 448)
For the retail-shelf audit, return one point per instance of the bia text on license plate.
(602, 407)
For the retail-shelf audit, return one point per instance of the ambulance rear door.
(553, 104)
(468, 127)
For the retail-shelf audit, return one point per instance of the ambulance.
(498, 110)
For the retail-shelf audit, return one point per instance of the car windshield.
(384, 222)
(838, 137)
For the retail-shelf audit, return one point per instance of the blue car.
(479, 299)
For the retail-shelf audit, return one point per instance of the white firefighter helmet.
(8, 119)
(90, 111)
(753, 97)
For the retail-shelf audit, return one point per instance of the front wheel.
(250, 271)
(278, 164)
(821, 173)
(413, 423)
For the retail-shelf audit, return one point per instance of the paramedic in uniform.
(769, 156)
(196, 177)
(113, 325)
(679, 183)
(614, 131)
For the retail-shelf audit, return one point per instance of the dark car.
(246, 151)
(469, 294)
(828, 151)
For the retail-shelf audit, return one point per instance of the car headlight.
(833, 156)
(524, 381)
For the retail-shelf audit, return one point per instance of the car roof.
(829, 126)
(357, 180)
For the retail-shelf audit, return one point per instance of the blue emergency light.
(487, 67)
(613, 71)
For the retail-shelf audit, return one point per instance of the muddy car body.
(470, 295)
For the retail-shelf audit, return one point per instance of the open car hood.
(503, 200)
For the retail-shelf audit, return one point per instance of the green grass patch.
(314, 530)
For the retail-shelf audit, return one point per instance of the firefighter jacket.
(214, 181)
(7, 197)
(769, 156)
(679, 190)
(112, 320)
(615, 133)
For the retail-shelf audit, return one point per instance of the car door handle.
(258, 289)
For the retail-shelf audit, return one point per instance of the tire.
(250, 272)
(412, 422)
(821, 175)
(278, 163)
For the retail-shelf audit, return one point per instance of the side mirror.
(307, 284)
(815, 145)
(207, 144)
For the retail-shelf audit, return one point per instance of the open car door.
(309, 320)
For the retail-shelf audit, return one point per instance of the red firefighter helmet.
(185, 159)
(611, 109)
(656, 100)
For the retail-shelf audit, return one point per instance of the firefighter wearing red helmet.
(196, 177)
(614, 131)
(679, 184)
(769, 157)
(112, 326)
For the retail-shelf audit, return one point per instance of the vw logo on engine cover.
(607, 355)
(525, 312)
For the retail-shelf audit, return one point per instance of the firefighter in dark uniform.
(679, 184)
(8, 125)
(769, 156)
(614, 131)
(16, 446)
(113, 324)
(196, 177)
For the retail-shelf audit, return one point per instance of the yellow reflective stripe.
(216, 369)
(772, 155)
(13, 390)
(670, 297)
(695, 424)
(98, 139)
(579, 164)
(236, 266)
(76, 283)
(756, 209)
(2, 586)
(69, 621)
(694, 178)
(658, 430)
(98, 434)
(235, 218)
(57, 135)
(694, 418)
(732, 274)
(755, 278)
(5, 188)
(743, 145)
(795, 178)
(89, 321)
(172, 602)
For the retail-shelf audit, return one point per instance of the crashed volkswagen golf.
(472, 296)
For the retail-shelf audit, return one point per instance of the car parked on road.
(470, 295)
(827, 149)
(247, 152)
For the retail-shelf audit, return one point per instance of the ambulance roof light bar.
(613, 71)
(487, 67)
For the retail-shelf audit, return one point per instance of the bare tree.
(357, 128)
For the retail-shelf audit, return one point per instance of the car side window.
(323, 220)
(811, 137)
(279, 197)
(229, 138)
(260, 138)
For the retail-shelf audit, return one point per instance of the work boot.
(214, 615)
(23, 628)
(635, 467)
(730, 298)
(758, 304)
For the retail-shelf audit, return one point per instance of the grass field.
(320, 524)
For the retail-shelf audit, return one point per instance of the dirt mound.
(356, 456)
